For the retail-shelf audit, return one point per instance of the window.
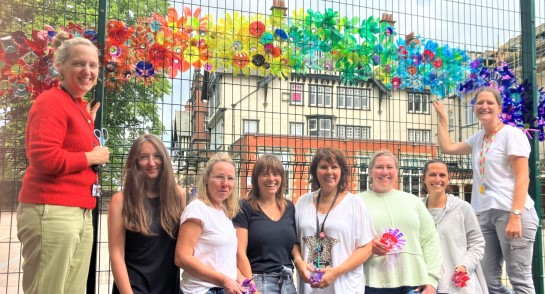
(410, 178)
(363, 181)
(410, 169)
(470, 117)
(320, 126)
(320, 96)
(216, 139)
(419, 136)
(451, 119)
(419, 103)
(285, 159)
(296, 129)
(250, 126)
(296, 97)
(353, 98)
(353, 132)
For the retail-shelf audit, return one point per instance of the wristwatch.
(516, 212)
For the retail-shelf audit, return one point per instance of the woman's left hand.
(513, 230)
(92, 109)
(426, 289)
(329, 276)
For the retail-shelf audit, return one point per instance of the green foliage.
(128, 111)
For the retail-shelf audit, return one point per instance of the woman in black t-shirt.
(265, 229)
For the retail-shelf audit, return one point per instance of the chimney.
(389, 18)
(279, 5)
(409, 38)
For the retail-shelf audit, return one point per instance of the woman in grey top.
(461, 240)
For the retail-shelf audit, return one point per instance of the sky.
(474, 25)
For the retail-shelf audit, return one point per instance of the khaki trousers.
(57, 243)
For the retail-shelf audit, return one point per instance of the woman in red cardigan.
(54, 220)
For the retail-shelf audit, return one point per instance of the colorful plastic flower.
(369, 30)
(459, 279)
(257, 28)
(117, 32)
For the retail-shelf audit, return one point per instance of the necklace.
(485, 147)
(320, 229)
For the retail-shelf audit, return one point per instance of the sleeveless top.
(150, 260)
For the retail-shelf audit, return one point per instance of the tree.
(130, 107)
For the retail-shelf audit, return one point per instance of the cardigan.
(58, 132)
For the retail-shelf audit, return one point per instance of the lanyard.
(320, 233)
(87, 122)
(320, 229)
(485, 147)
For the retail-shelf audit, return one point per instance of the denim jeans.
(274, 284)
(216, 290)
(398, 290)
(517, 253)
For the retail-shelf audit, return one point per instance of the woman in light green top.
(416, 265)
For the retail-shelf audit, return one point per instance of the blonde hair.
(492, 91)
(231, 206)
(65, 45)
(373, 161)
(136, 211)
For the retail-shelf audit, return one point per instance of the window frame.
(419, 135)
(245, 123)
(343, 132)
(353, 98)
(469, 112)
(297, 88)
(320, 92)
(418, 107)
(295, 124)
(316, 124)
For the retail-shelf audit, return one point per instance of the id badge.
(96, 190)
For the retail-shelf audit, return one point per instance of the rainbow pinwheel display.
(26, 65)
(275, 45)
(517, 108)
(425, 64)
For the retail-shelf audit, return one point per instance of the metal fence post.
(99, 97)
(528, 33)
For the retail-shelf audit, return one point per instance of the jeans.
(274, 283)
(216, 290)
(517, 253)
(398, 290)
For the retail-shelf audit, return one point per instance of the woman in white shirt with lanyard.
(500, 197)
(334, 230)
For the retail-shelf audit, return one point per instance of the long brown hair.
(265, 164)
(136, 211)
(331, 155)
(231, 206)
